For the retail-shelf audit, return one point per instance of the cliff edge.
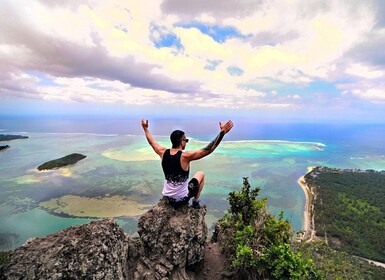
(171, 244)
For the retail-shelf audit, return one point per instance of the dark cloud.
(16, 86)
(379, 7)
(269, 38)
(71, 60)
(57, 57)
(216, 8)
(221, 9)
(371, 51)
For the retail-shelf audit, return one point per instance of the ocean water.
(122, 177)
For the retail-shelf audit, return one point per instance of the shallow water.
(120, 163)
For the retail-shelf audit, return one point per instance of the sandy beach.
(98, 207)
(308, 224)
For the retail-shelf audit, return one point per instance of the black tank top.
(172, 169)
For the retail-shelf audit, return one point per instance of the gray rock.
(97, 250)
(172, 241)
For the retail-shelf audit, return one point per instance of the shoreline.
(308, 212)
(308, 219)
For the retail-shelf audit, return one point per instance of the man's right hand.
(145, 124)
(227, 126)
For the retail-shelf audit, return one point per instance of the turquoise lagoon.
(120, 163)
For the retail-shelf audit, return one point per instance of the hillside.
(350, 210)
(334, 264)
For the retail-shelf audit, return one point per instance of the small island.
(60, 162)
(5, 137)
(4, 147)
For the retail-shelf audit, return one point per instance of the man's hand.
(145, 124)
(155, 146)
(227, 126)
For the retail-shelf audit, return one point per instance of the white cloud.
(95, 90)
(363, 71)
(104, 51)
(366, 90)
(296, 96)
(321, 39)
(372, 94)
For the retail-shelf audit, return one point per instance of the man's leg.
(200, 176)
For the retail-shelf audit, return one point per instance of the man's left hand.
(227, 126)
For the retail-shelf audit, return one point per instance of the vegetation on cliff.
(334, 264)
(3, 256)
(60, 162)
(350, 210)
(256, 243)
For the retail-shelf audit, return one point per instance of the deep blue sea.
(122, 178)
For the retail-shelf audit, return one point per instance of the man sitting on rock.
(176, 164)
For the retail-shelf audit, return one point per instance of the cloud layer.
(240, 55)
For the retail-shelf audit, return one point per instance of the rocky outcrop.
(173, 241)
(93, 251)
(171, 244)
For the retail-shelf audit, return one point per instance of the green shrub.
(256, 243)
(283, 263)
(4, 256)
(244, 257)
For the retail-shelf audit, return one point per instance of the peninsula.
(346, 207)
(60, 162)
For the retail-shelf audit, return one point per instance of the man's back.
(176, 163)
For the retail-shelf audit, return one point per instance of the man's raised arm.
(156, 147)
(198, 154)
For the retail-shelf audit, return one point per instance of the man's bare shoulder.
(194, 155)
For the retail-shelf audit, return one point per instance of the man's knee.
(200, 176)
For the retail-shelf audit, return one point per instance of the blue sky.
(283, 60)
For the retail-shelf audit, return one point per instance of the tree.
(256, 243)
